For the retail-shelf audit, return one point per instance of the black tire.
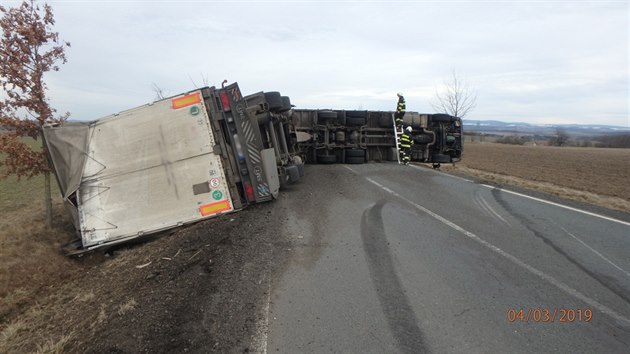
(355, 153)
(392, 154)
(386, 121)
(423, 138)
(355, 160)
(324, 117)
(341, 118)
(327, 115)
(326, 159)
(274, 100)
(341, 155)
(441, 117)
(286, 104)
(354, 121)
(356, 114)
(440, 158)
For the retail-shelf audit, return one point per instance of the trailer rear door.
(150, 169)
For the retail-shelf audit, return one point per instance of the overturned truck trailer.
(358, 136)
(172, 162)
(212, 151)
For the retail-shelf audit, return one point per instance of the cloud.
(560, 60)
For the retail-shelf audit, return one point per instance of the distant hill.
(520, 128)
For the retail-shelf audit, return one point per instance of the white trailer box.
(140, 171)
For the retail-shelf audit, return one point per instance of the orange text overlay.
(549, 315)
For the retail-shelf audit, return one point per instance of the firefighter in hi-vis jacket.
(400, 111)
(405, 143)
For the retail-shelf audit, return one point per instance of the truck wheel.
(354, 121)
(286, 104)
(441, 117)
(355, 153)
(326, 115)
(386, 121)
(356, 114)
(274, 100)
(354, 160)
(326, 159)
(341, 118)
(440, 158)
(341, 155)
(423, 138)
(392, 154)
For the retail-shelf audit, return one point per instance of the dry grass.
(127, 306)
(31, 266)
(54, 346)
(597, 176)
(31, 260)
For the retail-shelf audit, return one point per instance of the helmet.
(408, 129)
(399, 94)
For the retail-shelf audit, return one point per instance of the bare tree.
(456, 98)
(159, 93)
(28, 49)
(204, 80)
(560, 139)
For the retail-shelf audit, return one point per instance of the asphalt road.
(394, 259)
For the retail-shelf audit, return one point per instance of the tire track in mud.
(400, 317)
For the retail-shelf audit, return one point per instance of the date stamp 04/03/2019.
(547, 315)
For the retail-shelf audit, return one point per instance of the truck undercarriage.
(353, 137)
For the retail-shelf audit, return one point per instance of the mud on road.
(200, 289)
(204, 288)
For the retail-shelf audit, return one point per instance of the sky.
(543, 62)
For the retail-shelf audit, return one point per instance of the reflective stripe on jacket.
(401, 105)
(405, 141)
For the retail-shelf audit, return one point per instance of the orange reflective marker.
(214, 208)
(187, 100)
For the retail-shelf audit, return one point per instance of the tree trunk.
(47, 191)
(48, 200)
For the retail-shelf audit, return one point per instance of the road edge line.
(529, 197)
(559, 205)
(544, 276)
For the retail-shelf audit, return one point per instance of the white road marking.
(530, 197)
(560, 205)
(595, 251)
(546, 277)
(524, 196)
(442, 173)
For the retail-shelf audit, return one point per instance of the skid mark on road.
(544, 276)
(401, 319)
(483, 204)
(608, 283)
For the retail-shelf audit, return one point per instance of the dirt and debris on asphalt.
(198, 289)
(203, 288)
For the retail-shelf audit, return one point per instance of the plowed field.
(584, 171)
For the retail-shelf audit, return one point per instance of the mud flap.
(271, 171)
(293, 173)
